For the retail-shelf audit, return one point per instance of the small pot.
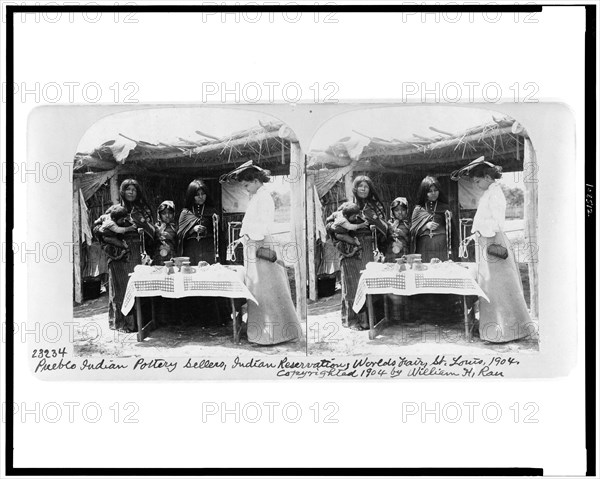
(411, 258)
(417, 265)
(169, 266)
(179, 261)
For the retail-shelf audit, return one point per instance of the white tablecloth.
(224, 281)
(448, 278)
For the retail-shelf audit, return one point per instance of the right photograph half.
(422, 233)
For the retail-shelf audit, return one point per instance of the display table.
(446, 278)
(212, 281)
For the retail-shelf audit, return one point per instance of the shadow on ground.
(442, 334)
(93, 337)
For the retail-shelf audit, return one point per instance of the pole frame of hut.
(348, 180)
(297, 184)
(76, 215)
(114, 189)
(531, 219)
(310, 228)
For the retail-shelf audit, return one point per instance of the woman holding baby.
(372, 216)
(139, 244)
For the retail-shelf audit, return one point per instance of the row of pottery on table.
(414, 262)
(180, 264)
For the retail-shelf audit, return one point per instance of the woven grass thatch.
(500, 140)
(208, 155)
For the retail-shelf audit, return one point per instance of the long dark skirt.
(351, 269)
(118, 277)
(432, 247)
(199, 250)
(202, 311)
(434, 307)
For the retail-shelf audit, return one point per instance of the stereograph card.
(351, 246)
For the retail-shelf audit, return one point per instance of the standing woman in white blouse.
(505, 317)
(273, 320)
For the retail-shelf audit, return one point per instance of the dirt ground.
(326, 336)
(93, 337)
(419, 335)
(422, 334)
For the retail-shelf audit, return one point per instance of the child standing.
(400, 227)
(166, 233)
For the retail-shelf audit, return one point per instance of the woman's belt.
(433, 233)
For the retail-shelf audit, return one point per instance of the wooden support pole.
(114, 190)
(348, 180)
(531, 219)
(298, 226)
(76, 215)
(310, 230)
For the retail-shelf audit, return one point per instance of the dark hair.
(192, 191)
(349, 209)
(372, 193)
(251, 174)
(140, 199)
(373, 199)
(117, 212)
(424, 188)
(479, 171)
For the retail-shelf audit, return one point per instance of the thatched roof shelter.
(167, 167)
(398, 165)
(500, 140)
(209, 156)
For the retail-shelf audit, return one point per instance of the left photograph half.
(183, 237)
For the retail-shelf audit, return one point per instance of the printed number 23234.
(49, 353)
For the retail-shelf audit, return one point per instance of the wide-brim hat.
(464, 171)
(233, 175)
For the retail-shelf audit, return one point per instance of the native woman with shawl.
(132, 198)
(372, 208)
(373, 212)
(431, 223)
(431, 226)
(195, 230)
(196, 240)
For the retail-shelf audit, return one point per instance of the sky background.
(167, 124)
